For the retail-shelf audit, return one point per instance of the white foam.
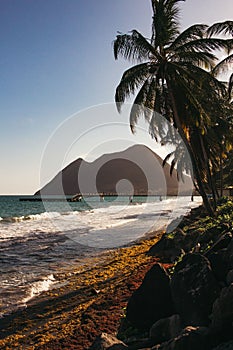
(101, 219)
(38, 287)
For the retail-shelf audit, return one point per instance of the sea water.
(38, 239)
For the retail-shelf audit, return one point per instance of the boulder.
(214, 233)
(222, 242)
(167, 250)
(165, 329)
(229, 254)
(219, 264)
(229, 278)
(222, 315)
(107, 342)
(225, 346)
(194, 289)
(152, 300)
(190, 240)
(191, 338)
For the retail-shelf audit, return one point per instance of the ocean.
(38, 240)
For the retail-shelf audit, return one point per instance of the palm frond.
(230, 87)
(221, 28)
(201, 59)
(229, 46)
(166, 159)
(223, 66)
(139, 107)
(203, 44)
(205, 79)
(197, 88)
(131, 80)
(195, 31)
(134, 47)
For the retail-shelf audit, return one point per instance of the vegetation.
(176, 76)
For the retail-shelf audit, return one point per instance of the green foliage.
(208, 228)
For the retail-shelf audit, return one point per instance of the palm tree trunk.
(209, 175)
(197, 175)
(221, 175)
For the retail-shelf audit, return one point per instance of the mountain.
(136, 170)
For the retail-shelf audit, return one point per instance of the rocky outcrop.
(199, 293)
(152, 300)
(222, 314)
(108, 342)
(219, 264)
(165, 329)
(170, 248)
(225, 346)
(191, 338)
(194, 289)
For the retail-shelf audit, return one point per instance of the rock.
(166, 250)
(165, 329)
(194, 289)
(222, 242)
(230, 277)
(219, 264)
(152, 300)
(191, 338)
(107, 342)
(172, 246)
(225, 346)
(173, 224)
(229, 254)
(213, 234)
(190, 241)
(222, 315)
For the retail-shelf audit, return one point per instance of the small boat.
(76, 198)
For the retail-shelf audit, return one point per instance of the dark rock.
(170, 247)
(190, 241)
(107, 342)
(191, 338)
(165, 329)
(152, 300)
(222, 242)
(222, 315)
(166, 250)
(229, 254)
(225, 346)
(229, 278)
(194, 289)
(213, 233)
(219, 265)
(173, 224)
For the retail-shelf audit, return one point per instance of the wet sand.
(90, 299)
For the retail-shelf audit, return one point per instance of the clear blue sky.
(56, 59)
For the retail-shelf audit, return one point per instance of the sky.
(57, 61)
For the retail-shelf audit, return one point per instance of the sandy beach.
(91, 300)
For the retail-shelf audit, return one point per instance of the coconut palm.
(171, 78)
(225, 65)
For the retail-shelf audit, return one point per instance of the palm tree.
(225, 28)
(171, 78)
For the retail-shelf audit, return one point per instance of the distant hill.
(114, 172)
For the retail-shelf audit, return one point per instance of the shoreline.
(53, 314)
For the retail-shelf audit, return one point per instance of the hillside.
(136, 170)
